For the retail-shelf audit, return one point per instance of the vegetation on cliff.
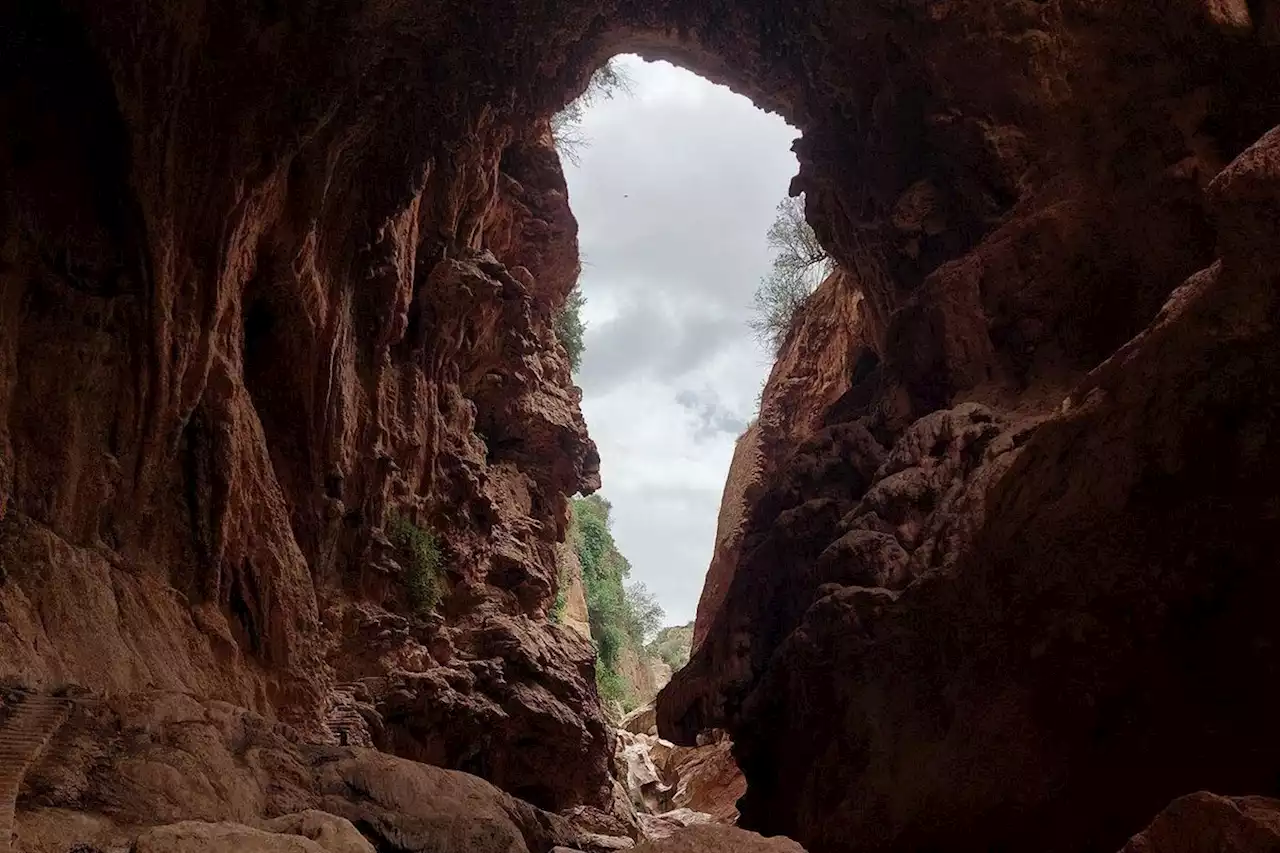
(799, 266)
(622, 616)
(672, 645)
(424, 564)
(566, 126)
(570, 329)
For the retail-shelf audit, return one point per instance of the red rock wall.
(744, 474)
(254, 301)
(830, 342)
(273, 272)
(988, 602)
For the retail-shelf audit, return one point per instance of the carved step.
(22, 738)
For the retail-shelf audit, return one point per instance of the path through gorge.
(287, 439)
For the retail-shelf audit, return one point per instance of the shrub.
(570, 330)
(424, 570)
(612, 687)
(566, 126)
(673, 645)
(799, 266)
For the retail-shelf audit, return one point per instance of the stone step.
(23, 736)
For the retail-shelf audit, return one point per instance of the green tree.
(570, 330)
(621, 616)
(424, 563)
(672, 644)
(643, 613)
(799, 266)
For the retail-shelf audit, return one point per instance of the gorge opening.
(675, 182)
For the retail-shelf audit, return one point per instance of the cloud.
(643, 340)
(713, 417)
(674, 196)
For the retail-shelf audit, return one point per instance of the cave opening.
(675, 181)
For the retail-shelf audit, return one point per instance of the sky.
(674, 192)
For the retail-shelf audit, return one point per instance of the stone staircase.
(23, 737)
(345, 724)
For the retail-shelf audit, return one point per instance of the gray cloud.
(643, 340)
(713, 417)
(673, 195)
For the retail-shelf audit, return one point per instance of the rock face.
(575, 615)
(718, 839)
(278, 277)
(1022, 557)
(705, 778)
(662, 777)
(234, 355)
(1204, 822)
(744, 474)
(197, 837)
(175, 774)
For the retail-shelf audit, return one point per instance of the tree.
(608, 80)
(643, 613)
(799, 266)
(673, 645)
(569, 326)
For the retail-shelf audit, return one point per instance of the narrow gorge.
(288, 443)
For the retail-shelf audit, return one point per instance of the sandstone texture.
(662, 778)
(744, 474)
(176, 774)
(718, 839)
(1204, 822)
(197, 837)
(575, 615)
(1004, 591)
(237, 352)
(703, 779)
(278, 279)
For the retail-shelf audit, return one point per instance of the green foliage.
(643, 613)
(424, 572)
(612, 687)
(621, 616)
(562, 597)
(570, 329)
(566, 126)
(673, 645)
(799, 266)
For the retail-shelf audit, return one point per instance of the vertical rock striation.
(277, 282)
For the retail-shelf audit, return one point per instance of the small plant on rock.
(424, 572)
(800, 263)
(570, 329)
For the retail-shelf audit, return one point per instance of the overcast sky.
(674, 194)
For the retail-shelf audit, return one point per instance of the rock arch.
(1013, 187)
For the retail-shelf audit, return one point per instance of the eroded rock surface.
(991, 627)
(273, 276)
(178, 774)
(667, 781)
(1203, 822)
(718, 839)
(236, 354)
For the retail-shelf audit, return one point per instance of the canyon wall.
(283, 421)
(1002, 590)
(263, 309)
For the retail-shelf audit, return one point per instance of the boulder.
(199, 837)
(1208, 823)
(718, 839)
